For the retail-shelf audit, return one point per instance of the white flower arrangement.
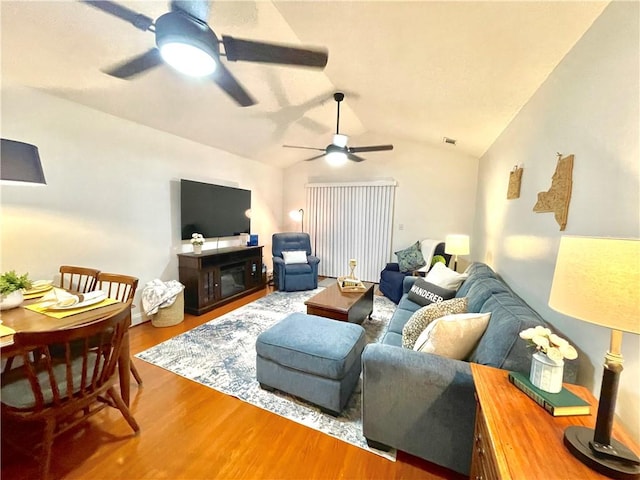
(552, 345)
(197, 239)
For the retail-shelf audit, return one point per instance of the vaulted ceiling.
(419, 71)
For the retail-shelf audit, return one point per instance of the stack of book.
(350, 284)
(557, 404)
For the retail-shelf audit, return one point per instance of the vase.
(546, 374)
(11, 300)
(197, 249)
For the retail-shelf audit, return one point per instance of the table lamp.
(298, 216)
(597, 280)
(456, 245)
(20, 163)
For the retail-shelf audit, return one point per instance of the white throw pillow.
(444, 277)
(453, 336)
(295, 256)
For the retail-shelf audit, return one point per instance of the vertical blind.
(351, 220)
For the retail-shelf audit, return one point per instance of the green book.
(557, 404)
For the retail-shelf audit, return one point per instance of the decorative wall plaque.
(557, 198)
(515, 179)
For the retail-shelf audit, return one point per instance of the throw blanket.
(428, 247)
(158, 294)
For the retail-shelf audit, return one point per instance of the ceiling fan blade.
(354, 158)
(306, 148)
(195, 8)
(372, 148)
(315, 158)
(136, 65)
(138, 20)
(249, 51)
(230, 85)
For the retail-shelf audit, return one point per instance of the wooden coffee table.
(353, 307)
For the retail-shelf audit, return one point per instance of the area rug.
(221, 355)
(327, 282)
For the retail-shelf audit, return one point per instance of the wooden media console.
(215, 277)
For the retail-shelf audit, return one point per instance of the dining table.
(33, 316)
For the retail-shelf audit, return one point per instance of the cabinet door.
(209, 286)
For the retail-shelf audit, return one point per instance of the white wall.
(589, 107)
(112, 195)
(435, 194)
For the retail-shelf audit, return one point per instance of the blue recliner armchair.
(292, 277)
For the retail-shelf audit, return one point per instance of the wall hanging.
(515, 179)
(557, 198)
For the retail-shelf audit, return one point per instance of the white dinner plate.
(39, 286)
(85, 303)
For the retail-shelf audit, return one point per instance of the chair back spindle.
(117, 286)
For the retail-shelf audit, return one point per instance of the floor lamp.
(456, 245)
(597, 280)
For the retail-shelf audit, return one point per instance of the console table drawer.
(483, 464)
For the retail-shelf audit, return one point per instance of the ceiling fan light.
(188, 59)
(336, 159)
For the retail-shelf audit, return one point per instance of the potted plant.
(197, 240)
(547, 363)
(11, 287)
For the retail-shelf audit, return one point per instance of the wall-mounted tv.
(213, 210)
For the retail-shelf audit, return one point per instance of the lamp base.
(622, 463)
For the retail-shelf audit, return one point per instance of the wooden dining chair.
(122, 288)
(74, 279)
(63, 391)
(78, 279)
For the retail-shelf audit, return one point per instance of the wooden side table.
(515, 438)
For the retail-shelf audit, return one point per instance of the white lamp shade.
(296, 215)
(598, 280)
(456, 244)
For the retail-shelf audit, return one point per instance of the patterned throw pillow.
(423, 293)
(425, 315)
(410, 258)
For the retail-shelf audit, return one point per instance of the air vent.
(450, 141)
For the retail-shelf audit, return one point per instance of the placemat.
(73, 311)
(4, 330)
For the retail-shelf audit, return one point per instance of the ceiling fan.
(186, 42)
(337, 152)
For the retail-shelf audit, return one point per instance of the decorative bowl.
(11, 300)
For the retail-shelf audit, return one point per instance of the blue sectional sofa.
(424, 404)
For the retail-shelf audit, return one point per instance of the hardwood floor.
(190, 431)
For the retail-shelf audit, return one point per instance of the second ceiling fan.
(338, 152)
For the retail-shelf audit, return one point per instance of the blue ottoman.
(311, 357)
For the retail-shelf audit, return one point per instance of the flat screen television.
(213, 210)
